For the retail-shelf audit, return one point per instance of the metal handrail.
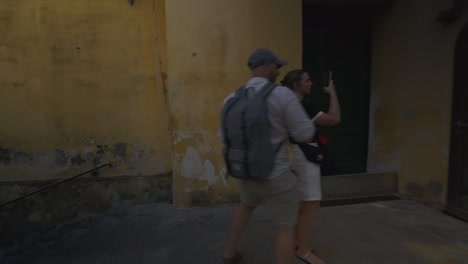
(57, 183)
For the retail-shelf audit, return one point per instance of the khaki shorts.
(280, 196)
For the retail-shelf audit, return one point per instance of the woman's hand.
(330, 89)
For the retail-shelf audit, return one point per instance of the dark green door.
(340, 40)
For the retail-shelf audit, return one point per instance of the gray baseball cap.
(262, 56)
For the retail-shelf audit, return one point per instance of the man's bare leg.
(240, 219)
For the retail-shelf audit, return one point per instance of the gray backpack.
(248, 151)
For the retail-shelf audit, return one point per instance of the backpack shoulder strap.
(229, 103)
(240, 92)
(227, 107)
(266, 90)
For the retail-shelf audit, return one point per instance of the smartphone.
(327, 78)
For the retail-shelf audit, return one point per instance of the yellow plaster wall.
(411, 87)
(208, 44)
(81, 85)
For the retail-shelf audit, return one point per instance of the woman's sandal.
(234, 259)
(309, 258)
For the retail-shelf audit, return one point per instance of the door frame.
(454, 194)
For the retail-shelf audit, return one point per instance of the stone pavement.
(399, 231)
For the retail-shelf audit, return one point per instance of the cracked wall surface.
(83, 84)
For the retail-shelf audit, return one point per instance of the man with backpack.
(256, 122)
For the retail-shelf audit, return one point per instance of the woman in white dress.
(308, 173)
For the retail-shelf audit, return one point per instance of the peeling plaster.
(179, 136)
(100, 141)
(22, 158)
(209, 173)
(223, 175)
(63, 157)
(132, 159)
(192, 167)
